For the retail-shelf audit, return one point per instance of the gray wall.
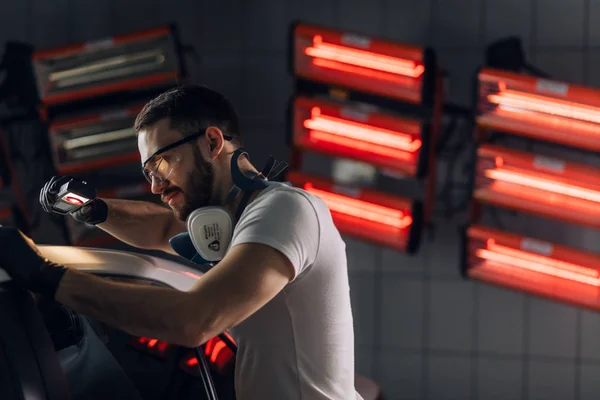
(421, 331)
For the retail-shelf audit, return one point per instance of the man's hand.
(21, 259)
(94, 213)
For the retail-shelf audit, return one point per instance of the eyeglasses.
(162, 169)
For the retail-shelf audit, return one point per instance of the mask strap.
(280, 169)
(233, 192)
(241, 180)
(268, 167)
(246, 198)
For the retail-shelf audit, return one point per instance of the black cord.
(205, 375)
(446, 135)
(232, 346)
(451, 152)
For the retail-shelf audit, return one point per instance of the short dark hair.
(191, 108)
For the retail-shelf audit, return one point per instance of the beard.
(198, 191)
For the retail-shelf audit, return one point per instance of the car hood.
(121, 263)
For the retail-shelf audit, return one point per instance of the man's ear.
(214, 136)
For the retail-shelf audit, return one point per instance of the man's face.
(190, 180)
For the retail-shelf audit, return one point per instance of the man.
(282, 287)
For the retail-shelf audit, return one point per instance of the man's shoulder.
(289, 197)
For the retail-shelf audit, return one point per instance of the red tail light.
(533, 266)
(538, 185)
(357, 62)
(368, 135)
(370, 215)
(545, 110)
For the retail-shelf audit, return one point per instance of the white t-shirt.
(300, 345)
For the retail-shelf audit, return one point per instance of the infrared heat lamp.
(94, 141)
(120, 63)
(540, 109)
(369, 215)
(364, 134)
(364, 64)
(532, 266)
(539, 185)
(360, 133)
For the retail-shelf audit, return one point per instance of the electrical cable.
(205, 375)
(451, 151)
(232, 346)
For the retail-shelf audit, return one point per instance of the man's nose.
(157, 186)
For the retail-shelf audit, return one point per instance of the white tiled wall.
(422, 332)
(449, 377)
(500, 316)
(551, 380)
(499, 379)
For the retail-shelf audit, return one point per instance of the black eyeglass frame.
(177, 144)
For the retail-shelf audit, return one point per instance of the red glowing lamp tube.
(531, 183)
(533, 266)
(366, 214)
(95, 141)
(538, 108)
(362, 63)
(115, 64)
(370, 135)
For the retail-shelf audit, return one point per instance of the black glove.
(21, 259)
(94, 213)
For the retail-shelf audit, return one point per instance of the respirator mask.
(210, 228)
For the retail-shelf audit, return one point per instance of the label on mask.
(212, 235)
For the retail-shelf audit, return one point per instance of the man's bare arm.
(247, 278)
(136, 309)
(141, 224)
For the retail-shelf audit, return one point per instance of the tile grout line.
(525, 359)
(488, 355)
(533, 32)
(482, 23)
(579, 331)
(525, 356)
(586, 41)
(475, 343)
(426, 298)
(377, 312)
(432, 7)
